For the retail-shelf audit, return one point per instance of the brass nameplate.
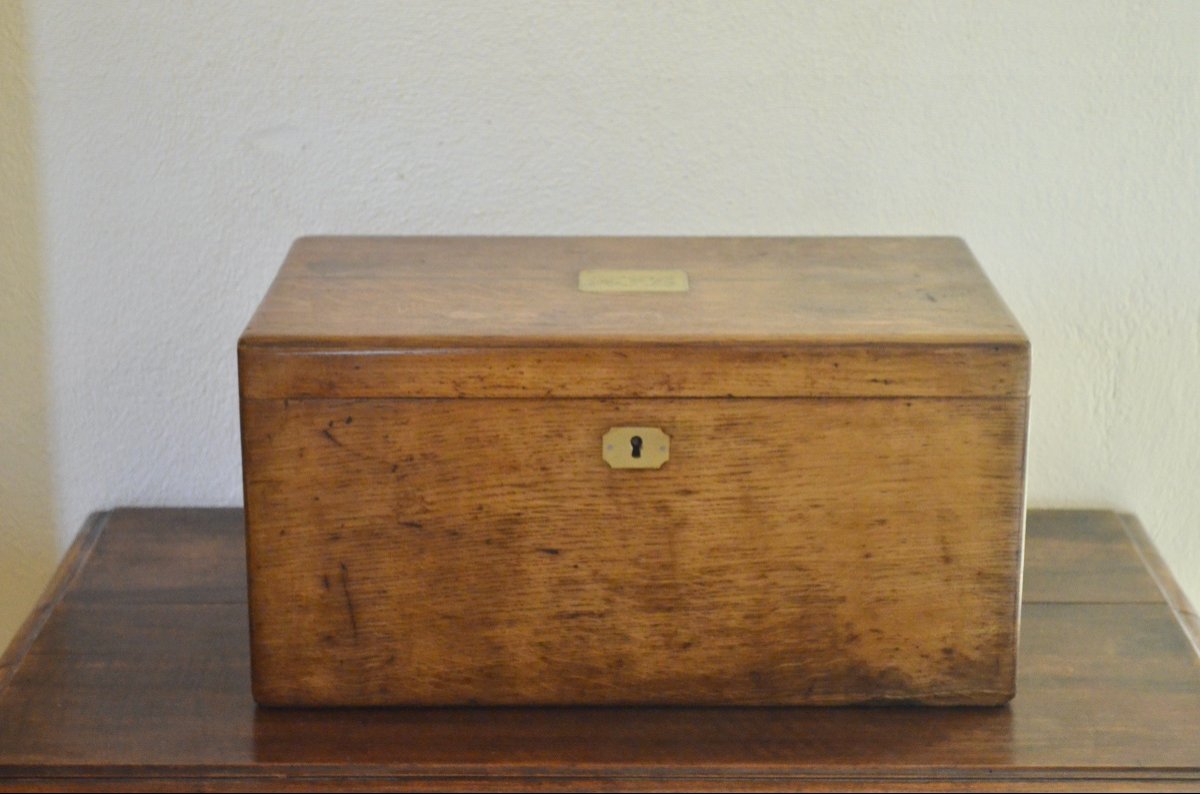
(606, 280)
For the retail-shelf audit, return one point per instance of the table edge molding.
(60, 582)
(1177, 600)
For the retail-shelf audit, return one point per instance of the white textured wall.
(183, 145)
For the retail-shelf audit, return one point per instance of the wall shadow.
(28, 545)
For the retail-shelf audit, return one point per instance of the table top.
(133, 672)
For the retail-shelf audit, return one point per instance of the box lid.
(649, 317)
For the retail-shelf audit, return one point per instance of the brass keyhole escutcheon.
(636, 447)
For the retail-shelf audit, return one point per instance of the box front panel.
(815, 551)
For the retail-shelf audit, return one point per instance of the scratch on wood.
(337, 442)
(349, 601)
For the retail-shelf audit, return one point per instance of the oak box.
(633, 470)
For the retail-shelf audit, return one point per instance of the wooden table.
(133, 673)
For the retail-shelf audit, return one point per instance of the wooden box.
(446, 503)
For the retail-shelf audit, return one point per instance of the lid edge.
(978, 369)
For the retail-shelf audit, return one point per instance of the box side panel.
(791, 551)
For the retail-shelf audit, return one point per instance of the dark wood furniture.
(133, 673)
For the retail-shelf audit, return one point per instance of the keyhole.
(636, 443)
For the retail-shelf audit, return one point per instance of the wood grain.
(895, 370)
(503, 317)
(140, 681)
(413, 292)
(791, 551)
(463, 543)
(1086, 558)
